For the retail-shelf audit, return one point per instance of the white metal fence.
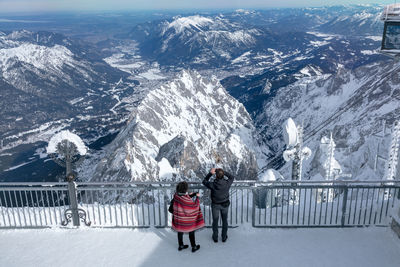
(277, 204)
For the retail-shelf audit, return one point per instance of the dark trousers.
(216, 209)
(191, 238)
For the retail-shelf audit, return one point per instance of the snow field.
(246, 246)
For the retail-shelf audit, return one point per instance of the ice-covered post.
(294, 150)
(65, 148)
(294, 147)
(393, 159)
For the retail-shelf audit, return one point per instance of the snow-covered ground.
(246, 246)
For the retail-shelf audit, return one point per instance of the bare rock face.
(180, 131)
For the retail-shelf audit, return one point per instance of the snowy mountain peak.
(41, 57)
(179, 24)
(182, 129)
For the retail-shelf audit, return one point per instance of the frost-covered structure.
(270, 175)
(330, 167)
(393, 158)
(350, 104)
(52, 147)
(295, 151)
(184, 128)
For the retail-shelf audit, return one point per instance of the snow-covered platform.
(246, 246)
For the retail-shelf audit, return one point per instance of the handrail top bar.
(341, 182)
(33, 183)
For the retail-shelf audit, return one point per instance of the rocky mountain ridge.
(181, 130)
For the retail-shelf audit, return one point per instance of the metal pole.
(73, 202)
(344, 205)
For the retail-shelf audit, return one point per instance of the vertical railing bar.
(383, 201)
(298, 208)
(259, 208)
(304, 205)
(38, 203)
(237, 205)
(131, 202)
(394, 196)
(283, 196)
(33, 208)
(126, 207)
(17, 209)
(127, 211)
(248, 205)
(93, 210)
(109, 206)
(115, 208)
(361, 204)
(387, 203)
(271, 190)
(366, 207)
(137, 208)
(28, 205)
(377, 205)
(48, 208)
(230, 206)
(288, 206)
(154, 208)
(372, 205)
(351, 202)
(355, 207)
(326, 207)
(315, 206)
(9, 207)
(103, 205)
(344, 205)
(86, 199)
(293, 201)
(159, 208)
(337, 206)
(148, 207)
(266, 206)
(54, 207)
(65, 197)
(333, 201)
(320, 208)
(120, 206)
(143, 218)
(209, 212)
(242, 209)
(59, 205)
(22, 207)
(115, 205)
(309, 209)
(2, 209)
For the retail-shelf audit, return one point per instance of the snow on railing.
(145, 204)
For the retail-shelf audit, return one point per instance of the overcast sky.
(113, 5)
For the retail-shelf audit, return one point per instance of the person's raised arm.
(230, 177)
(206, 181)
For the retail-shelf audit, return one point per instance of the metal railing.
(145, 204)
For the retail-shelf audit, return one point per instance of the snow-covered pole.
(65, 148)
(393, 159)
(295, 152)
(331, 152)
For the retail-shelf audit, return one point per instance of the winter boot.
(195, 248)
(224, 239)
(182, 247)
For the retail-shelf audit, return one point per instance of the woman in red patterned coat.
(187, 216)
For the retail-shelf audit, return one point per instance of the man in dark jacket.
(220, 200)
